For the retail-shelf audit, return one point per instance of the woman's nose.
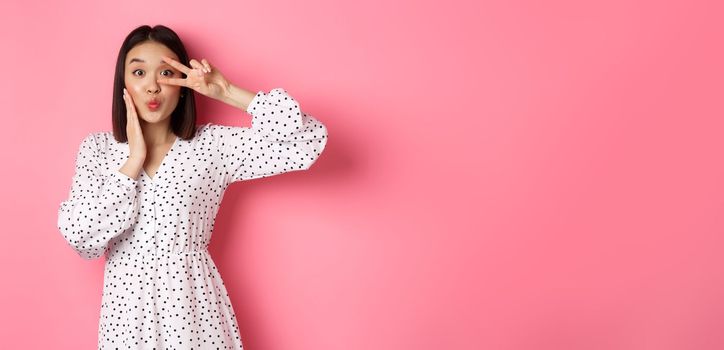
(153, 87)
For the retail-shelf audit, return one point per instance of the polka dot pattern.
(161, 289)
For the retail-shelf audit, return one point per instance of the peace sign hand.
(203, 78)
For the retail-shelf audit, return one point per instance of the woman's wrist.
(133, 167)
(238, 97)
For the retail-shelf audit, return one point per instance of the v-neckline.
(163, 161)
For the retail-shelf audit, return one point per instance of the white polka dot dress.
(161, 289)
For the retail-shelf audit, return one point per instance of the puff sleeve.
(282, 138)
(99, 207)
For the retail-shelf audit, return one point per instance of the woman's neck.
(155, 134)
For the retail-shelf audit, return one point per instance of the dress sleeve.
(282, 138)
(98, 208)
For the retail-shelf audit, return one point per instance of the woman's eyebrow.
(142, 61)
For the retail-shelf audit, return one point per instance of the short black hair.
(183, 118)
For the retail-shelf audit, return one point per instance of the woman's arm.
(282, 137)
(237, 97)
(98, 208)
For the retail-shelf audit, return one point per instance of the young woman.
(146, 195)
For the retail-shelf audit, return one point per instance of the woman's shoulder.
(215, 130)
(98, 140)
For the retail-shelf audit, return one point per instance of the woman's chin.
(153, 117)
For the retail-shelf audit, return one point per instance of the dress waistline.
(154, 255)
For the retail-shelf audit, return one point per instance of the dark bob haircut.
(183, 118)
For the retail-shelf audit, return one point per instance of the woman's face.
(142, 67)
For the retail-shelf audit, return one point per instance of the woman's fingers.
(176, 64)
(198, 67)
(130, 107)
(203, 65)
(130, 110)
(198, 70)
(133, 128)
(126, 101)
(173, 81)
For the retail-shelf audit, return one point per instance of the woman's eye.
(170, 72)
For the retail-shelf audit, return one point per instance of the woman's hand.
(136, 143)
(203, 78)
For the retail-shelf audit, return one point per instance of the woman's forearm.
(238, 97)
(132, 167)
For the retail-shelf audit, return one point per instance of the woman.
(146, 196)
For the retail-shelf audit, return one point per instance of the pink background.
(499, 175)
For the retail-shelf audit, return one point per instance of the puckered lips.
(153, 104)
